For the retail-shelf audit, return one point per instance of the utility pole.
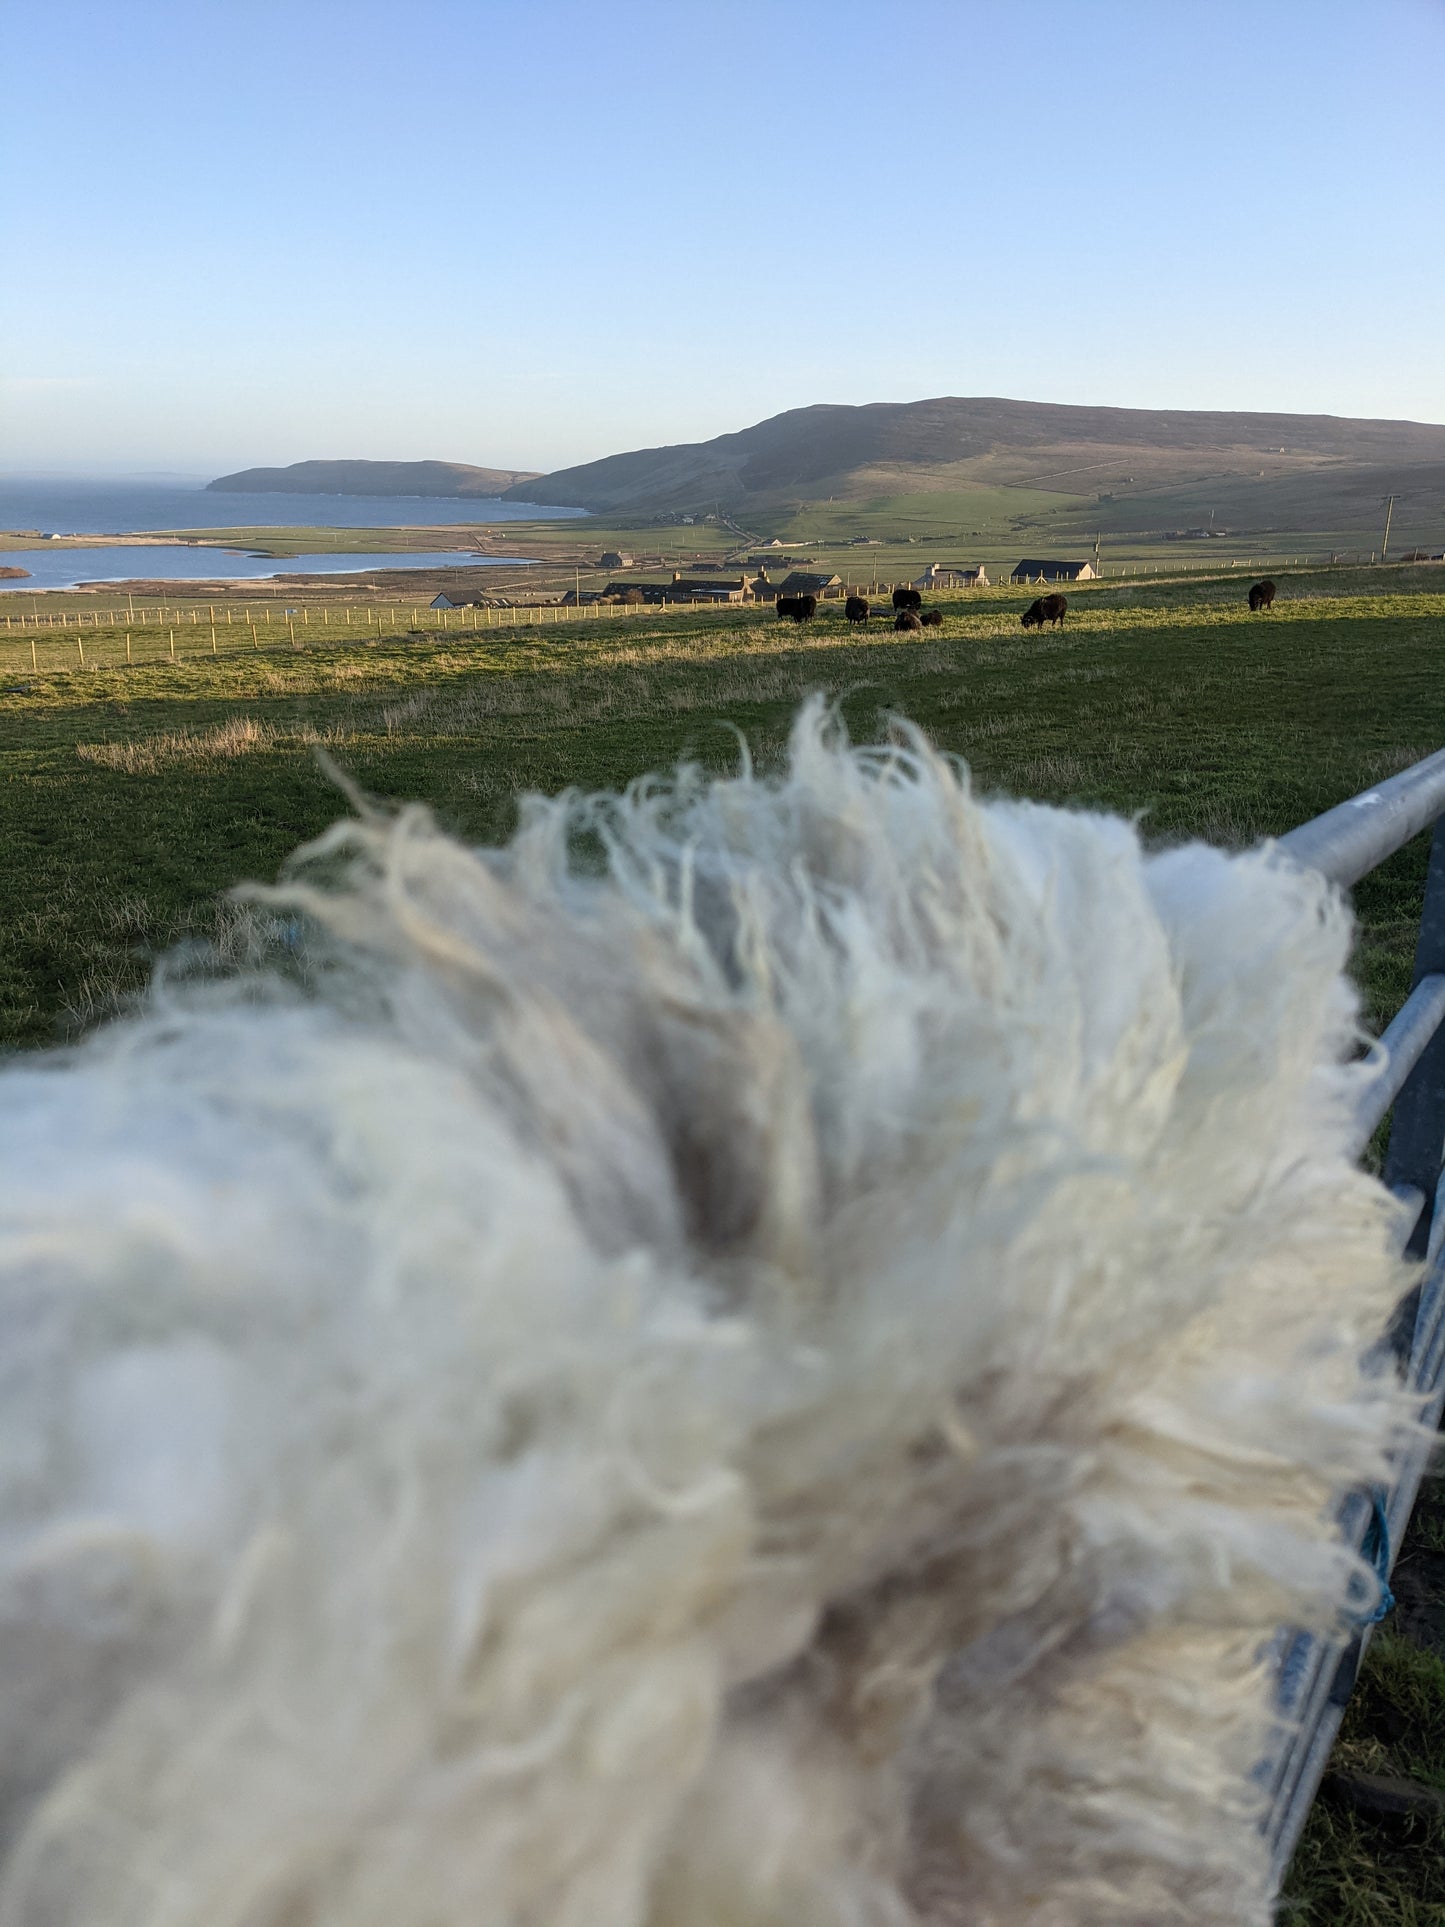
(1389, 511)
(1097, 539)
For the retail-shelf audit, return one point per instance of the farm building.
(457, 599)
(722, 588)
(615, 559)
(945, 575)
(1030, 571)
(805, 582)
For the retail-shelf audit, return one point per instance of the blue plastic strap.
(1376, 1549)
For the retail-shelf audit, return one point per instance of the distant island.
(374, 478)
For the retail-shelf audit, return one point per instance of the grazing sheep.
(907, 599)
(801, 608)
(932, 618)
(1262, 595)
(1050, 608)
(856, 608)
(908, 620)
(790, 1378)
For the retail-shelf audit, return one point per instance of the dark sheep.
(908, 619)
(1262, 595)
(932, 618)
(1049, 608)
(856, 608)
(907, 599)
(802, 608)
(1054, 608)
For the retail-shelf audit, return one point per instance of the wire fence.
(90, 639)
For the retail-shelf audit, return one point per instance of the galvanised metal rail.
(1317, 1675)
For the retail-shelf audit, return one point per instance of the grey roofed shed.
(1032, 571)
(806, 582)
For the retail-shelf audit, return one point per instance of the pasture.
(135, 794)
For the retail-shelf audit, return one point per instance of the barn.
(1031, 571)
(805, 582)
(721, 588)
(949, 575)
(457, 599)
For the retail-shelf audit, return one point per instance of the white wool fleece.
(769, 1355)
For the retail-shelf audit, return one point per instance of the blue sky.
(529, 232)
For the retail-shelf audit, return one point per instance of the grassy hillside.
(812, 454)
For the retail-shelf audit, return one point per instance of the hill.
(374, 478)
(890, 448)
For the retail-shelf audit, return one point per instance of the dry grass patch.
(236, 736)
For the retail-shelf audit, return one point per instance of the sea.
(57, 506)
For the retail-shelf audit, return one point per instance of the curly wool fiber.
(780, 1371)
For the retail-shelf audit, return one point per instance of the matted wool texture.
(772, 1354)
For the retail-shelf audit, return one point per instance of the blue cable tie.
(1376, 1549)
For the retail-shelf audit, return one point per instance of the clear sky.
(530, 232)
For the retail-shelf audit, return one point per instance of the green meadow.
(137, 794)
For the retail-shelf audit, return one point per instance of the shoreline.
(179, 588)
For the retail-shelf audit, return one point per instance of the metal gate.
(1316, 1675)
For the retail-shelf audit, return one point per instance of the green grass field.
(136, 796)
